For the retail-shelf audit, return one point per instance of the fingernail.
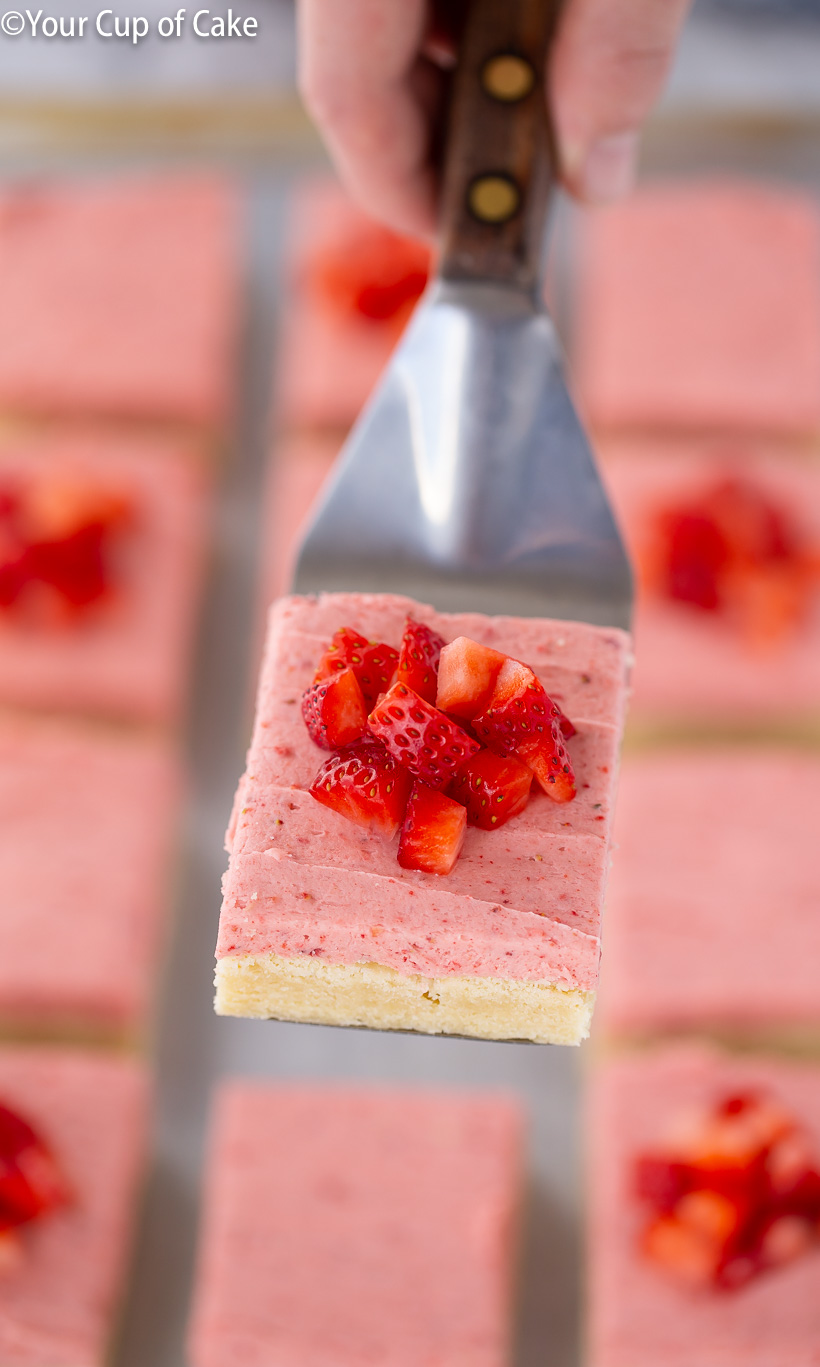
(610, 167)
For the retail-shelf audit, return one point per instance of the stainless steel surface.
(468, 481)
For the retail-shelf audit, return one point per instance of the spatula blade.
(468, 481)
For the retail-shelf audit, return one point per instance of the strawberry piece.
(334, 711)
(522, 720)
(731, 549)
(58, 534)
(30, 1181)
(491, 788)
(433, 831)
(736, 1194)
(467, 674)
(418, 659)
(366, 785)
(377, 274)
(430, 745)
(373, 663)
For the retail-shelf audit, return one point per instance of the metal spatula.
(468, 481)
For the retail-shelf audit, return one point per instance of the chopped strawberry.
(492, 789)
(736, 1193)
(522, 720)
(373, 663)
(334, 711)
(365, 784)
(430, 745)
(732, 549)
(30, 1181)
(418, 659)
(568, 730)
(57, 535)
(433, 831)
(376, 274)
(467, 673)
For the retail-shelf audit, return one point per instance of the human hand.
(373, 75)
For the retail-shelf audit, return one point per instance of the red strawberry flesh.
(373, 663)
(366, 785)
(433, 831)
(334, 711)
(467, 674)
(522, 720)
(419, 736)
(418, 659)
(30, 1181)
(739, 1196)
(493, 789)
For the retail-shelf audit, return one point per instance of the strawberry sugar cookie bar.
(353, 1225)
(86, 834)
(725, 535)
(102, 551)
(352, 285)
(712, 920)
(498, 777)
(699, 308)
(73, 1136)
(120, 298)
(704, 1211)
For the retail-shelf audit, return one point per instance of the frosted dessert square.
(347, 1225)
(703, 1211)
(87, 825)
(352, 284)
(323, 920)
(120, 298)
(299, 464)
(102, 555)
(712, 920)
(699, 308)
(725, 537)
(63, 1273)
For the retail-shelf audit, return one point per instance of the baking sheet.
(193, 1047)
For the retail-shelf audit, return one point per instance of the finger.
(372, 96)
(608, 66)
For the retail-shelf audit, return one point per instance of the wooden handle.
(500, 161)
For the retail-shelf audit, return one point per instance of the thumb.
(607, 68)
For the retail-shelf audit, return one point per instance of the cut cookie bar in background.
(712, 920)
(300, 463)
(63, 1277)
(725, 538)
(87, 825)
(353, 1225)
(699, 308)
(321, 923)
(120, 298)
(102, 554)
(352, 284)
(680, 1273)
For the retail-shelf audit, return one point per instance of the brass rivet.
(507, 77)
(493, 198)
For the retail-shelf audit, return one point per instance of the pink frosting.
(58, 1306)
(733, 938)
(639, 1315)
(327, 362)
(700, 308)
(130, 657)
(523, 902)
(120, 298)
(356, 1226)
(86, 831)
(718, 675)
